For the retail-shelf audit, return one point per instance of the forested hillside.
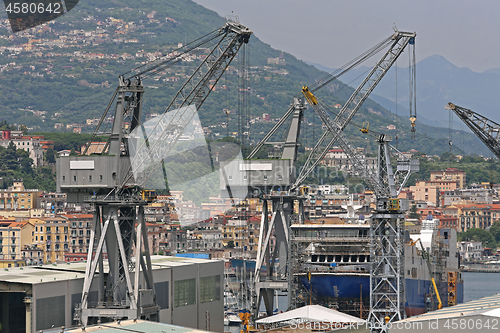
(63, 76)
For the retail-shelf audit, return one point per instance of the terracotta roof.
(78, 216)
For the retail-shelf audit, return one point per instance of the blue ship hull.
(353, 286)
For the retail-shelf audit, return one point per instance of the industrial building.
(189, 292)
(474, 316)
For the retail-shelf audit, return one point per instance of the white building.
(471, 250)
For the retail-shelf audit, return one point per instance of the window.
(90, 178)
(74, 178)
(184, 292)
(100, 178)
(210, 289)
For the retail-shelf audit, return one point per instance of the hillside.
(62, 76)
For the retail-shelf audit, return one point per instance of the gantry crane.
(387, 224)
(485, 129)
(111, 182)
(280, 186)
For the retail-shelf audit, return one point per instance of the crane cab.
(365, 129)
(148, 195)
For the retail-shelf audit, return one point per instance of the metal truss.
(399, 42)
(117, 228)
(387, 273)
(486, 130)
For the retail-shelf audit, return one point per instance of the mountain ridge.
(69, 89)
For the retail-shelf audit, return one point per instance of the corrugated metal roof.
(72, 270)
(135, 326)
(489, 306)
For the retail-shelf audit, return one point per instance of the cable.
(351, 64)
(396, 69)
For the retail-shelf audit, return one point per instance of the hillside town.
(39, 227)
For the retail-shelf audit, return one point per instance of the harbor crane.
(485, 129)
(112, 181)
(387, 224)
(281, 187)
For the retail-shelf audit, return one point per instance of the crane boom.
(185, 103)
(399, 42)
(386, 235)
(132, 154)
(486, 130)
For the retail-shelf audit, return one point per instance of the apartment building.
(10, 245)
(450, 175)
(35, 145)
(52, 234)
(476, 215)
(17, 197)
(79, 226)
(431, 190)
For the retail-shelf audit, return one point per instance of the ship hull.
(353, 286)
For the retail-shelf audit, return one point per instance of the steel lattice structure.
(111, 181)
(486, 130)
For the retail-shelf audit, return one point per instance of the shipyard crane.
(387, 224)
(485, 129)
(281, 186)
(398, 42)
(112, 181)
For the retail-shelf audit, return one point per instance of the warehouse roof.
(76, 270)
(488, 306)
(134, 326)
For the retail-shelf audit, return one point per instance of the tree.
(49, 156)
(413, 213)
(479, 235)
(495, 230)
(230, 245)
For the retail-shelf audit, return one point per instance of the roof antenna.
(395, 28)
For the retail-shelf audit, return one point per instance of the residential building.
(10, 245)
(175, 241)
(17, 197)
(450, 174)
(52, 202)
(33, 144)
(476, 215)
(79, 226)
(470, 250)
(431, 190)
(52, 233)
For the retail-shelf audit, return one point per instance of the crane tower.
(112, 180)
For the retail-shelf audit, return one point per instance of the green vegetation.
(478, 170)
(16, 164)
(489, 238)
(72, 89)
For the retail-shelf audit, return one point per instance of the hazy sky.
(332, 32)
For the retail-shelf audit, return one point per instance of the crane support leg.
(277, 271)
(119, 227)
(387, 273)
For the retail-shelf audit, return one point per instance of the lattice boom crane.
(486, 130)
(111, 181)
